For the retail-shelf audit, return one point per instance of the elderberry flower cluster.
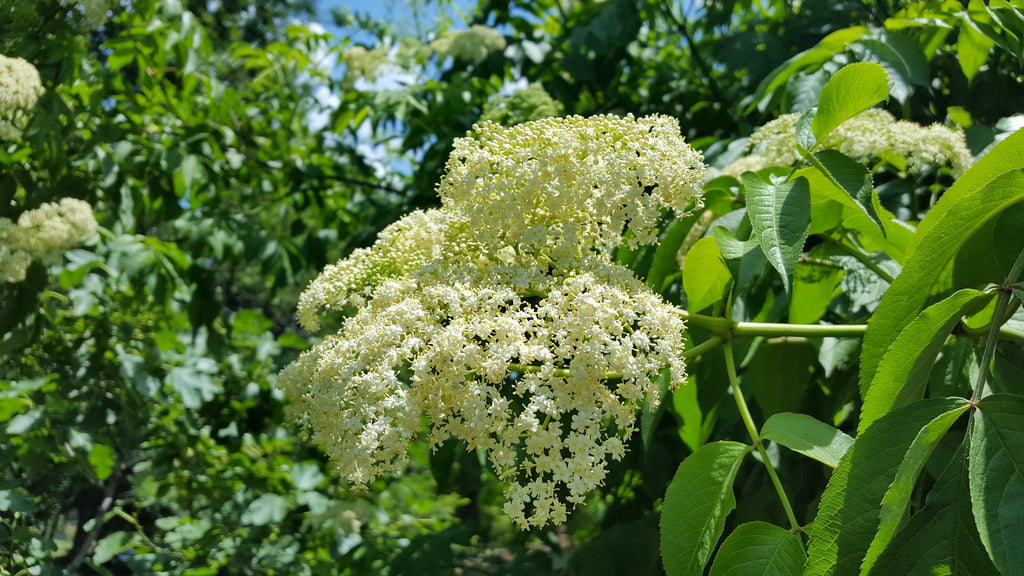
(43, 233)
(20, 89)
(500, 319)
(20, 86)
(474, 43)
(870, 135)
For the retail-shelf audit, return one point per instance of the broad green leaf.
(306, 475)
(194, 386)
(781, 217)
(944, 230)
(760, 548)
(988, 255)
(706, 278)
(814, 287)
(804, 133)
(829, 46)
(942, 537)
(854, 178)
(697, 503)
(17, 501)
(808, 436)
(694, 425)
(897, 497)
(852, 90)
(267, 509)
(111, 545)
(847, 516)
(744, 258)
(831, 207)
(779, 375)
(877, 51)
(102, 460)
(665, 262)
(972, 48)
(902, 374)
(997, 479)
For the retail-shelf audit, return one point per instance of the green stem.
(809, 330)
(863, 259)
(703, 347)
(724, 328)
(1005, 293)
(748, 421)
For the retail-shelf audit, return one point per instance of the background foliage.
(228, 160)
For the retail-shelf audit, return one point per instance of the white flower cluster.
(43, 233)
(363, 63)
(474, 43)
(867, 136)
(472, 322)
(20, 89)
(20, 86)
(567, 187)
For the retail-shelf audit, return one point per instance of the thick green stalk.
(748, 421)
(1005, 293)
(725, 329)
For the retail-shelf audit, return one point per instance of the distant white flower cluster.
(474, 43)
(20, 89)
(870, 135)
(44, 233)
(500, 319)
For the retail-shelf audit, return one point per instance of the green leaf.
(745, 259)
(808, 436)
(101, 458)
(997, 479)
(852, 90)
(829, 46)
(781, 216)
(814, 287)
(194, 386)
(17, 500)
(897, 497)
(953, 219)
(694, 425)
(902, 374)
(832, 207)
(267, 509)
(884, 53)
(760, 548)
(988, 255)
(847, 516)
(697, 503)
(779, 375)
(306, 476)
(942, 538)
(111, 545)
(706, 278)
(972, 48)
(854, 178)
(665, 262)
(804, 134)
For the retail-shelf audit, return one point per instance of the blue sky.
(396, 10)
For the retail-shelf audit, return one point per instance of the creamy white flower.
(43, 233)
(870, 135)
(500, 318)
(20, 86)
(568, 186)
